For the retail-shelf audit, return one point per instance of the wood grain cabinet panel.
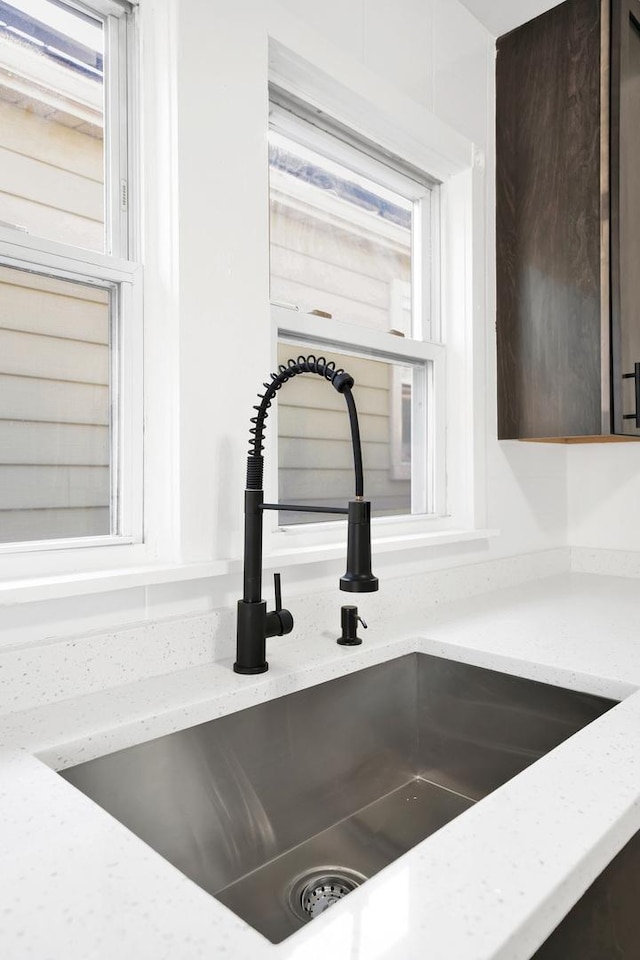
(568, 223)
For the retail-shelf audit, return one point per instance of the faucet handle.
(277, 586)
(279, 621)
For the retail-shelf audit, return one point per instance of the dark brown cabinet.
(568, 224)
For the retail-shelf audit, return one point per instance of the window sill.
(103, 581)
(32, 590)
(380, 545)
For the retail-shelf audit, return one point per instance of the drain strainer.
(317, 890)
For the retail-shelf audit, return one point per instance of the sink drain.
(317, 890)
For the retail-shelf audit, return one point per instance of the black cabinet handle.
(636, 377)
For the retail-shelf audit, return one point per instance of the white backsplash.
(611, 563)
(34, 674)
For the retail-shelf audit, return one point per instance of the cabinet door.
(548, 226)
(625, 215)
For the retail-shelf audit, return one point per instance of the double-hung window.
(354, 271)
(70, 323)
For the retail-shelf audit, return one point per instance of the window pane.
(54, 408)
(340, 243)
(51, 122)
(315, 460)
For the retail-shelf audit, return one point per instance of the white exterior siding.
(54, 334)
(315, 457)
(54, 408)
(51, 176)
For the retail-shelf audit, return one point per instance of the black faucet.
(255, 624)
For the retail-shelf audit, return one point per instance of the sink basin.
(281, 809)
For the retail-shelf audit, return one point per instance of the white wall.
(500, 16)
(206, 255)
(603, 482)
(526, 495)
(438, 53)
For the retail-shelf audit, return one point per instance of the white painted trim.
(433, 244)
(425, 267)
(463, 319)
(36, 589)
(156, 200)
(66, 269)
(379, 545)
(402, 469)
(65, 558)
(319, 75)
(130, 414)
(23, 248)
(68, 543)
(351, 336)
(478, 344)
(102, 581)
(116, 126)
(441, 441)
(112, 8)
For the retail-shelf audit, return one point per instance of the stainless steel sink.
(281, 809)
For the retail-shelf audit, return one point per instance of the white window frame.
(314, 334)
(400, 310)
(357, 153)
(419, 347)
(400, 468)
(118, 270)
(355, 101)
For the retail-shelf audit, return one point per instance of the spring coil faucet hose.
(342, 381)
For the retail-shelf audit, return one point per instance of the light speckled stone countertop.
(76, 885)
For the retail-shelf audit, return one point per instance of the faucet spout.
(358, 577)
(255, 624)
